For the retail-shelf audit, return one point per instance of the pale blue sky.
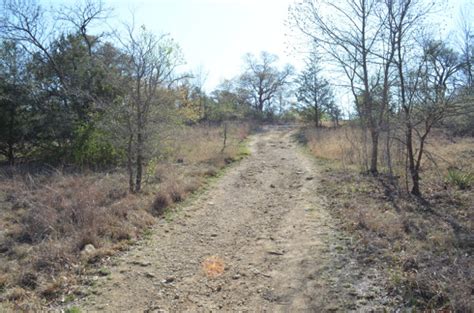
(215, 34)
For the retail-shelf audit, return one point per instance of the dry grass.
(347, 146)
(343, 144)
(210, 148)
(423, 246)
(47, 220)
(198, 154)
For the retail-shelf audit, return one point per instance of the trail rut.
(282, 251)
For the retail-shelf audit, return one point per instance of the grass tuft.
(460, 179)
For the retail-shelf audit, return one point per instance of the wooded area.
(404, 79)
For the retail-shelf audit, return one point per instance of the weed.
(73, 309)
(16, 294)
(52, 290)
(161, 202)
(103, 271)
(456, 177)
(28, 280)
(147, 233)
(69, 298)
(3, 282)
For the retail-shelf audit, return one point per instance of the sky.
(215, 34)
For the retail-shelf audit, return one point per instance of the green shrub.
(463, 180)
(94, 148)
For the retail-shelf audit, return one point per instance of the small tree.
(15, 103)
(262, 80)
(314, 93)
(150, 67)
(71, 85)
(347, 31)
(429, 90)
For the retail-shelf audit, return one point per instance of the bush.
(462, 180)
(93, 148)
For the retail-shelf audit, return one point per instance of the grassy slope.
(424, 246)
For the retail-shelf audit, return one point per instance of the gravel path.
(264, 222)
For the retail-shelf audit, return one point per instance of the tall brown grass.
(348, 145)
(46, 220)
(422, 246)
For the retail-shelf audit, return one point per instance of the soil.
(275, 247)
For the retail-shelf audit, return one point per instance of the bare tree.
(467, 45)
(25, 22)
(430, 97)
(348, 36)
(199, 80)
(262, 79)
(150, 71)
(82, 16)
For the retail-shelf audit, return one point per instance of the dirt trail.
(282, 251)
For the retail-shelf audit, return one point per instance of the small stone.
(168, 280)
(81, 292)
(141, 263)
(236, 276)
(272, 186)
(273, 252)
(309, 178)
(150, 275)
(214, 235)
(88, 250)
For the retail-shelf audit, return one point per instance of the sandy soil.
(281, 250)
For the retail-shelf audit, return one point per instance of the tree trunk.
(374, 134)
(415, 190)
(389, 152)
(131, 184)
(414, 173)
(316, 117)
(11, 153)
(11, 131)
(225, 137)
(260, 103)
(138, 182)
